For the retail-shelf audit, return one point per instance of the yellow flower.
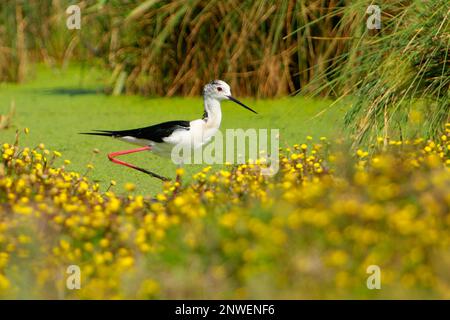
(161, 197)
(24, 239)
(229, 219)
(4, 258)
(104, 243)
(209, 194)
(126, 262)
(88, 246)
(148, 288)
(179, 201)
(337, 258)
(225, 174)
(83, 187)
(64, 244)
(4, 283)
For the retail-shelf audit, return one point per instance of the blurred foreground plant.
(310, 231)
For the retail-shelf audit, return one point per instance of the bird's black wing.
(155, 133)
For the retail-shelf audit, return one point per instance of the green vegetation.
(314, 230)
(56, 106)
(400, 85)
(227, 231)
(262, 48)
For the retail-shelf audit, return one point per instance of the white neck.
(214, 113)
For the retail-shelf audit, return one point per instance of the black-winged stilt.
(161, 138)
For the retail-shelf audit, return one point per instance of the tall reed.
(398, 77)
(263, 48)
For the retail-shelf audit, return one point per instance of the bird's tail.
(105, 133)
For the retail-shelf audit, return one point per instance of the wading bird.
(161, 138)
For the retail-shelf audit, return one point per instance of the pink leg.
(112, 155)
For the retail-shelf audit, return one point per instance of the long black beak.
(241, 104)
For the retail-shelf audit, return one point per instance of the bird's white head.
(217, 89)
(220, 90)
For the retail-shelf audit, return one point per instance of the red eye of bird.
(219, 88)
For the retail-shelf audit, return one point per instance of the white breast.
(198, 134)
